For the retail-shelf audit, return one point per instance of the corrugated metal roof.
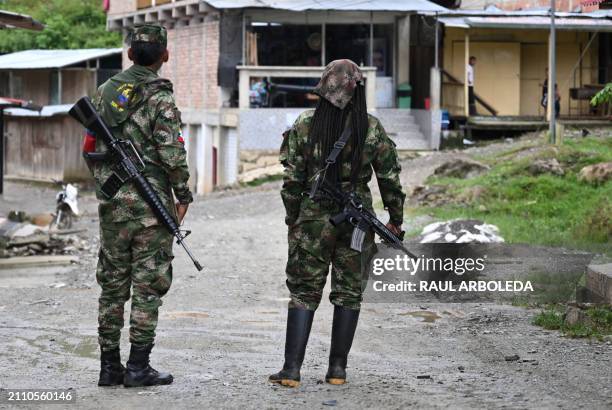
(33, 59)
(543, 12)
(46, 111)
(339, 5)
(584, 23)
(536, 22)
(458, 22)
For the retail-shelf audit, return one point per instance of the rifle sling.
(339, 146)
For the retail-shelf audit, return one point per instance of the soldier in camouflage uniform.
(314, 243)
(136, 250)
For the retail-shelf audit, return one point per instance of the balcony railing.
(247, 72)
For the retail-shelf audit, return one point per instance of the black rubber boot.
(111, 369)
(139, 373)
(343, 331)
(299, 322)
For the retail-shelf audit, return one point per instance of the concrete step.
(401, 127)
(410, 140)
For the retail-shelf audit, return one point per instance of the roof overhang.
(186, 11)
(9, 20)
(401, 6)
(575, 23)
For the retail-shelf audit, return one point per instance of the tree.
(603, 96)
(69, 24)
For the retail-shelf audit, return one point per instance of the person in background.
(544, 101)
(470, 80)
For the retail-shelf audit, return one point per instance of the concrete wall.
(262, 129)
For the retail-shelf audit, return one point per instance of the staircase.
(402, 129)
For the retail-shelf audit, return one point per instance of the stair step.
(395, 128)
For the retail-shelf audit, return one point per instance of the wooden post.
(466, 99)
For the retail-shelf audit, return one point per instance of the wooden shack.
(45, 145)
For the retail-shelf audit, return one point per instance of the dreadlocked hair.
(327, 125)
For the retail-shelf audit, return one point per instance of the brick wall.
(192, 67)
(561, 5)
(121, 6)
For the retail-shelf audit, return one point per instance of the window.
(288, 44)
(352, 41)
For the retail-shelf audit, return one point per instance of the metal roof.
(16, 20)
(336, 5)
(584, 22)
(37, 59)
(46, 111)
(493, 11)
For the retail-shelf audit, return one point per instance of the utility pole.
(552, 76)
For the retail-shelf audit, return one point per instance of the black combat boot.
(139, 373)
(343, 331)
(111, 369)
(299, 322)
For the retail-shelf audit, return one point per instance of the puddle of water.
(425, 315)
(87, 347)
(186, 314)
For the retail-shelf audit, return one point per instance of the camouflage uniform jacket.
(139, 107)
(379, 156)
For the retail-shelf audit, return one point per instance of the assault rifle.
(127, 167)
(356, 214)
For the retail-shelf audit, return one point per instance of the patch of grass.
(549, 319)
(598, 325)
(263, 180)
(543, 209)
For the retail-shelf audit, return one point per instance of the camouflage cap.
(150, 33)
(338, 82)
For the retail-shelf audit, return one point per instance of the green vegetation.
(537, 209)
(604, 96)
(69, 24)
(263, 180)
(599, 322)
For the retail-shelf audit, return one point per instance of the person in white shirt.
(470, 80)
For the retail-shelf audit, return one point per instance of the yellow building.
(511, 61)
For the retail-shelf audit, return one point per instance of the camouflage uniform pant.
(313, 247)
(137, 256)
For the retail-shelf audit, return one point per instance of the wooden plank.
(39, 260)
(482, 102)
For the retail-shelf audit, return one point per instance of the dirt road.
(221, 333)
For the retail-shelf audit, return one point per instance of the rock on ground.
(597, 173)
